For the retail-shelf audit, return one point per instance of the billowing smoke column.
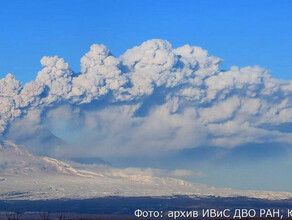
(183, 84)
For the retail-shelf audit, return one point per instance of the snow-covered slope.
(25, 176)
(16, 161)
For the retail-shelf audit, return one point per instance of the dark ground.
(124, 208)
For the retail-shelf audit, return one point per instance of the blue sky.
(241, 32)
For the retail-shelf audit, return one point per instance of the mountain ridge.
(24, 176)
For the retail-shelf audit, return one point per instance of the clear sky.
(241, 32)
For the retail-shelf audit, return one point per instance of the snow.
(24, 176)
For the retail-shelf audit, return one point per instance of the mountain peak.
(16, 160)
(24, 176)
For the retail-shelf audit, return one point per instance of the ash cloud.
(151, 98)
